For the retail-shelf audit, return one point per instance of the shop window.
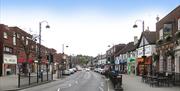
(5, 35)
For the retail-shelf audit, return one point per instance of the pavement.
(133, 83)
(10, 83)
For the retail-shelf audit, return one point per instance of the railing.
(31, 78)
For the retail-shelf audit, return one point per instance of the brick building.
(18, 48)
(168, 42)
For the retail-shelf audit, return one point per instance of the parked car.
(66, 72)
(71, 71)
(87, 69)
(75, 70)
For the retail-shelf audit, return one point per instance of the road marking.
(76, 82)
(101, 89)
(102, 84)
(59, 89)
(107, 80)
(69, 85)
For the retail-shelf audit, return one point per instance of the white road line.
(102, 84)
(101, 89)
(76, 82)
(69, 85)
(59, 89)
(107, 80)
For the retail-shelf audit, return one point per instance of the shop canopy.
(131, 60)
(23, 60)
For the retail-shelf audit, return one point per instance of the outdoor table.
(161, 80)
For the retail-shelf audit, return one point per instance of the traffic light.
(50, 58)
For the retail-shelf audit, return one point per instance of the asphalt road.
(79, 81)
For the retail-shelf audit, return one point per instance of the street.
(79, 81)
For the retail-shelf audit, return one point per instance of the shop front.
(177, 65)
(131, 66)
(22, 63)
(144, 65)
(9, 64)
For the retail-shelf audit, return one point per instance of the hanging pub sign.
(179, 24)
(167, 30)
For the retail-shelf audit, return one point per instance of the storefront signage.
(179, 24)
(148, 51)
(167, 30)
(10, 59)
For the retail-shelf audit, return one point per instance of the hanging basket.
(177, 34)
(168, 38)
(160, 41)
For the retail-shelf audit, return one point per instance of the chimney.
(147, 29)
(135, 40)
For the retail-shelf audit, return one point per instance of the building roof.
(129, 47)
(150, 36)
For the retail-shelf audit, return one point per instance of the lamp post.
(135, 26)
(112, 53)
(39, 52)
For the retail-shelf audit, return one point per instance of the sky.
(86, 26)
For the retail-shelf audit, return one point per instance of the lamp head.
(47, 26)
(135, 26)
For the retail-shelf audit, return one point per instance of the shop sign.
(148, 51)
(10, 59)
(167, 30)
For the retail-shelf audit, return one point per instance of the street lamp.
(39, 52)
(112, 57)
(135, 26)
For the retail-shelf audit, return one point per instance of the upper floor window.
(18, 35)
(8, 49)
(22, 37)
(5, 35)
(26, 41)
(14, 38)
(161, 34)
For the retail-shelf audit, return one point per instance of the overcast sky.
(86, 26)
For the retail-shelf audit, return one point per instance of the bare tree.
(27, 43)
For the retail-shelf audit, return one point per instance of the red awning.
(22, 60)
(44, 62)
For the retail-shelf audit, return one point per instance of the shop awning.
(131, 60)
(23, 60)
(44, 62)
(140, 60)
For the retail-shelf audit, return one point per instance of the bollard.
(41, 76)
(52, 76)
(29, 78)
(19, 80)
(47, 75)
